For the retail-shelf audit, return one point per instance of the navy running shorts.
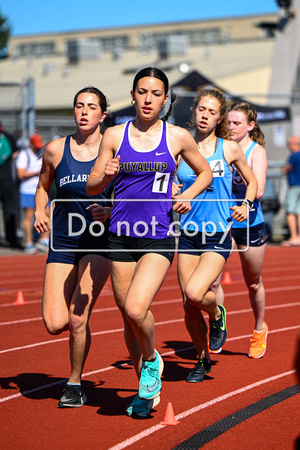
(70, 257)
(257, 235)
(201, 242)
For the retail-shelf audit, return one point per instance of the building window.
(195, 37)
(212, 35)
(109, 44)
(36, 49)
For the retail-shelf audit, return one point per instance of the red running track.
(35, 365)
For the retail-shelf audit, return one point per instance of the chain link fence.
(17, 109)
(17, 116)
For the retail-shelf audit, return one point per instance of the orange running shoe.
(258, 343)
(214, 351)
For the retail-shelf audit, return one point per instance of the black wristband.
(248, 202)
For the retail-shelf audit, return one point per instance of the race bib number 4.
(217, 167)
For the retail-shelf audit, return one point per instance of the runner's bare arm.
(106, 166)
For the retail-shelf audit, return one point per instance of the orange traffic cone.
(20, 299)
(169, 416)
(227, 279)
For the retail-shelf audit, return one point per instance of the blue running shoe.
(150, 382)
(202, 367)
(73, 397)
(218, 331)
(140, 407)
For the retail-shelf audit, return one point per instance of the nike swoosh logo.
(152, 388)
(256, 240)
(223, 327)
(158, 154)
(220, 248)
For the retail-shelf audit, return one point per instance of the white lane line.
(105, 369)
(38, 291)
(145, 433)
(165, 302)
(117, 330)
(107, 291)
(17, 322)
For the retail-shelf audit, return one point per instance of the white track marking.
(183, 415)
(117, 330)
(105, 369)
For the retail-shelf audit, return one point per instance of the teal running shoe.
(150, 382)
(140, 407)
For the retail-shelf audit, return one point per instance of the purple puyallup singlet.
(146, 176)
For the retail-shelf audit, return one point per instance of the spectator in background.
(8, 185)
(29, 163)
(292, 169)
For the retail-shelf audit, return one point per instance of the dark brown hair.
(222, 129)
(93, 90)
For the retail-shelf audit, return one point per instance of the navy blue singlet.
(71, 221)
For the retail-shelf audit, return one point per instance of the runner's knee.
(77, 323)
(54, 324)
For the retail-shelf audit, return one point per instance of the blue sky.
(36, 16)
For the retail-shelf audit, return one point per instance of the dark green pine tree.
(5, 31)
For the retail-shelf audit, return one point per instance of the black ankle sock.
(149, 360)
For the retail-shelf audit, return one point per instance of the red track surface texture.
(34, 366)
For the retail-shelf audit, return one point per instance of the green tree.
(5, 30)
